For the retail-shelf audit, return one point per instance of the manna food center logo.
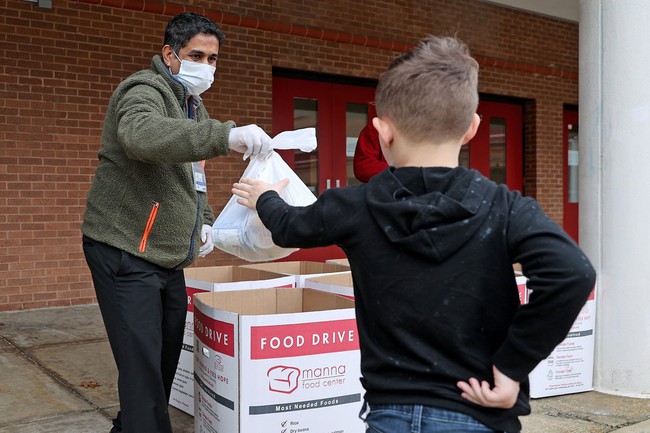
(286, 379)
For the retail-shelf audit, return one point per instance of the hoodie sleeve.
(561, 279)
(292, 226)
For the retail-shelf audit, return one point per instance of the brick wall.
(59, 66)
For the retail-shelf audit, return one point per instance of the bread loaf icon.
(283, 379)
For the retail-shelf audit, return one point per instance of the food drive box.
(339, 284)
(300, 269)
(212, 279)
(569, 368)
(522, 288)
(276, 360)
(344, 261)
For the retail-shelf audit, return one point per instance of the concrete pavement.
(57, 375)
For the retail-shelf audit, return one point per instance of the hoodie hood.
(417, 207)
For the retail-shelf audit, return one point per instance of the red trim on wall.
(525, 67)
(171, 9)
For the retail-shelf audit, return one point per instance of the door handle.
(328, 183)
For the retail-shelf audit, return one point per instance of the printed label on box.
(216, 373)
(304, 375)
(569, 368)
(284, 341)
(182, 395)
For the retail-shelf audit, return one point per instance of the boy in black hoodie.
(445, 345)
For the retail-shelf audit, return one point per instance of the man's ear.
(385, 130)
(473, 127)
(167, 55)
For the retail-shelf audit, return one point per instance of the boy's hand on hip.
(502, 396)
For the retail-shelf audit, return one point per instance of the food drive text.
(279, 341)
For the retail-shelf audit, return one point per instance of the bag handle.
(303, 139)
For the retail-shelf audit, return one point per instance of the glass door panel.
(353, 110)
(356, 117)
(571, 164)
(300, 104)
(497, 148)
(305, 115)
(463, 157)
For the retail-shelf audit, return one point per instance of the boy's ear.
(385, 130)
(473, 127)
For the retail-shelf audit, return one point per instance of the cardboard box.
(211, 279)
(522, 288)
(276, 360)
(221, 278)
(344, 262)
(570, 367)
(300, 269)
(339, 284)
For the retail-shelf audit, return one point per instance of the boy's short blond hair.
(430, 92)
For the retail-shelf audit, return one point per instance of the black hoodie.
(431, 252)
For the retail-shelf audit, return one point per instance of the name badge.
(198, 170)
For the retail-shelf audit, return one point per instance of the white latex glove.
(251, 140)
(206, 238)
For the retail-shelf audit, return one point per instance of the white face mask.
(197, 77)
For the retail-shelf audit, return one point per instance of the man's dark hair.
(186, 25)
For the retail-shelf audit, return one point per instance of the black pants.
(144, 308)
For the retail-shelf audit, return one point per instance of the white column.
(614, 142)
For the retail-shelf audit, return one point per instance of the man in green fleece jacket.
(147, 215)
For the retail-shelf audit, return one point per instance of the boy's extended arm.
(290, 226)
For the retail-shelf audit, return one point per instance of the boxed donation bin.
(212, 279)
(570, 367)
(300, 269)
(344, 261)
(339, 284)
(268, 360)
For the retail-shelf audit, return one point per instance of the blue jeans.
(402, 418)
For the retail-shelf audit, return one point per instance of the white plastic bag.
(239, 230)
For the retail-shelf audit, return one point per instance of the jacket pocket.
(147, 229)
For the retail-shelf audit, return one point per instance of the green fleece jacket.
(142, 199)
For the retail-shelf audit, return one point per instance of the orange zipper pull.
(147, 229)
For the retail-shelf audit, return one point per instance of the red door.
(497, 149)
(338, 112)
(571, 208)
